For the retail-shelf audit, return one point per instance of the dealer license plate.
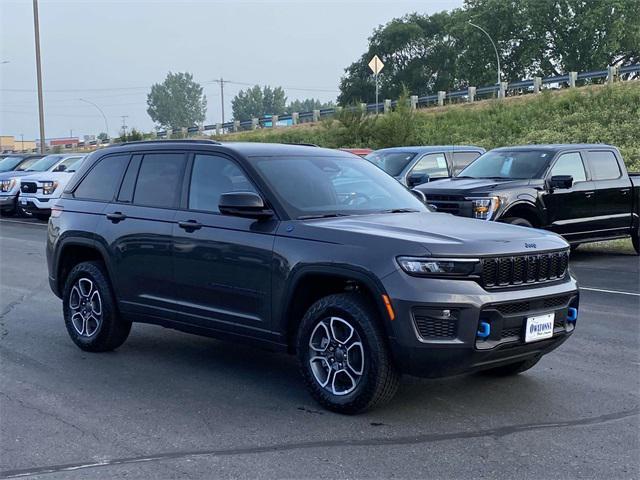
(539, 327)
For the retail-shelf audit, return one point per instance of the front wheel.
(343, 356)
(635, 240)
(517, 221)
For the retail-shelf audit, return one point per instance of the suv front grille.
(28, 187)
(548, 303)
(524, 269)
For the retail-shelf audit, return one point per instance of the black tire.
(574, 247)
(379, 379)
(42, 216)
(513, 368)
(105, 334)
(635, 240)
(517, 221)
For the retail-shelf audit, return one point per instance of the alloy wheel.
(85, 305)
(336, 356)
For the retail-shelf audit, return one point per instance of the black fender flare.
(519, 203)
(67, 242)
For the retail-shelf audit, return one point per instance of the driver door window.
(211, 177)
(433, 164)
(570, 164)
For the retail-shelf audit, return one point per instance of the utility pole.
(124, 125)
(36, 27)
(221, 82)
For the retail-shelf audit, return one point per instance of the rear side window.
(103, 179)
(433, 164)
(604, 165)
(463, 159)
(211, 177)
(570, 164)
(160, 180)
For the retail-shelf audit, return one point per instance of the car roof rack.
(172, 140)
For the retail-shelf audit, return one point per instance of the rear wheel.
(517, 221)
(513, 368)
(90, 312)
(343, 356)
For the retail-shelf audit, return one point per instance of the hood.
(440, 234)
(14, 174)
(61, 177)
(466, 186)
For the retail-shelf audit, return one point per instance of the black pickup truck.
(582, 191)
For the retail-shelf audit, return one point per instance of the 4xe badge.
(530, 245)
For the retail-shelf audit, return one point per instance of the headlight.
(7, 185)
(438, 267)
(484, 208)
(49, 187)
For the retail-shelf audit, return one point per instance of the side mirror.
(61, 168)
(244, 204)
(419, 195)
(417, 179)
(560, 181)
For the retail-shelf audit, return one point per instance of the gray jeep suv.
(306, 250)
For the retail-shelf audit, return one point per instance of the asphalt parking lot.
(169, 405)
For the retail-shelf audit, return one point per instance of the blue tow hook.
(484, 331)
(572, 315)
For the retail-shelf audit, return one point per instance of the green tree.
(103, 136)
(177, 102)
(442, 51)
(258, 102)
(307, 105)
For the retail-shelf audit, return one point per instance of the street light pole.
(106, 124)
(494, 48)
(36, 27)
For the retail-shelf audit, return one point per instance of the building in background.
(11, 144)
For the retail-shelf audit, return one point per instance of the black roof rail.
(303, 144)
(173, 140)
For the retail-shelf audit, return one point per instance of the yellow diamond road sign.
(376, 65)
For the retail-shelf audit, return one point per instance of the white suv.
(38, 191)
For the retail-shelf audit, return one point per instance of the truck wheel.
(90, 312)
(635, 240)
(343, 356)
(517, 221)
(42, 216)
(513, 368)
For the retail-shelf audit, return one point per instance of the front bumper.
(435, 332)
(35, 205)
(8, 201)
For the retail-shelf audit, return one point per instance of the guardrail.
(469, 94)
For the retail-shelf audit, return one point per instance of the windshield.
(27, 163)
(326, 186)
(509, 165)
(391, 162)
(43, 164)
(70, 164)
(9, 163)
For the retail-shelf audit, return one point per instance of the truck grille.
(28, 187)
(525, 269)
(446, 203)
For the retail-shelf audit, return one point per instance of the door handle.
(190, 225)
(625, 191)
(116, 217)
(588, 194)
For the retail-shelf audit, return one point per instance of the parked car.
(582, 192)
(10, 181)
(412, 166)
(17, 161)
(306, 250)
(39, 191)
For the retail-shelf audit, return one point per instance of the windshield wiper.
(401, 210)
(322, 215)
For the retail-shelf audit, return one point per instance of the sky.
(111, 52)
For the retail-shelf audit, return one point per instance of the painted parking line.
(23, 222)
(610, 291)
